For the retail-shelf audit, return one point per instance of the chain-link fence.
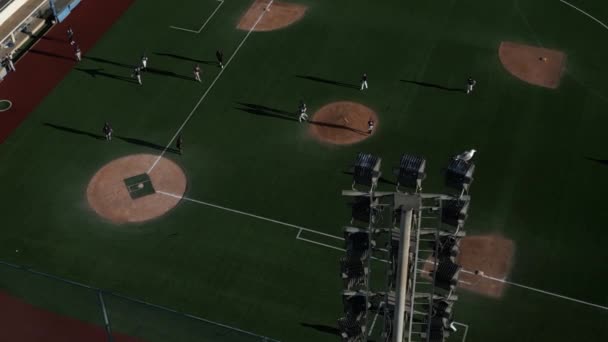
(59, 308)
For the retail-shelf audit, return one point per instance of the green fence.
(112, 314)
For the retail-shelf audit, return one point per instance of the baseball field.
(244, 226)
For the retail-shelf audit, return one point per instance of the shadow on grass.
(99, 72)
(436, 86)
(599, 161)
(107, 61)
(266, 111)
(184, 58)
(323, 80)
(381, 180)
(332, 125)
(75, 131)
(129, 140)
(322, 328)
(50, 54)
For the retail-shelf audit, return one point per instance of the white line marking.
(250, 215)
(270, 220)
(321, 244)
(209, 89)
(585, 13)
(205, 24)
(466, 330)
(371, 328)
(105, 315)
(533, 289)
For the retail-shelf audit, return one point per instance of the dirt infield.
(534, 65)
(122, 192)
(491, 254)
(342, 123)
(280, 15)
(24, 322)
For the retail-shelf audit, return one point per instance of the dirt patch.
(531, 64)
(121, 191)
(490, 254)
(342, 123)
(278, 16)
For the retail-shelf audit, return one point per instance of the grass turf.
(537, 181)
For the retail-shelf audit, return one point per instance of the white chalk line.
(300, 229)
(340, 249)
(585, 13)
(204, 24)
(557, 295)
(210, 87)
(466, 330)
(371, 328)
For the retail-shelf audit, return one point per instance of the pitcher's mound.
(535, 65)
(342, 123)
(485, 259)
(279, 15)
(122, 190)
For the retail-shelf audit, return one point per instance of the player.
(364, 81)
(107, 131)
(9, 62)
(71, 35)
(197, 73)
(137, 74)
(180, 144)
(220, 58)
(144, 63)
(470, 84)
(370, 125)
(78, 53)
(303, 115)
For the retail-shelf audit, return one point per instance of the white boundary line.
(252, 215)
(466, 330)
(210, 87)
(371, 328)
(204, 24)
(585, 13)
(105, 315)
(300, 229)
(340, 249)
(480, 274)
(10, 104)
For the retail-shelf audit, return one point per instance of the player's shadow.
(99, 72)
(332, 125)
(436, 86)
(266, 111)
(74, 131)
(50, 54)
(323, 80)
(144, 143)
(184, 58)
(107, 61)
(322, 328)
(599, 161)
(167, 73)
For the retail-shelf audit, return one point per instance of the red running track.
(23, 322)
(52, 58)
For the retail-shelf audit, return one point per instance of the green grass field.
(542, 164)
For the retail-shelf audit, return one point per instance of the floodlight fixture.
(410, 173)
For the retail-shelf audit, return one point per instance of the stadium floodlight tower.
(410, 173)
(459, 175)
(366, 171)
